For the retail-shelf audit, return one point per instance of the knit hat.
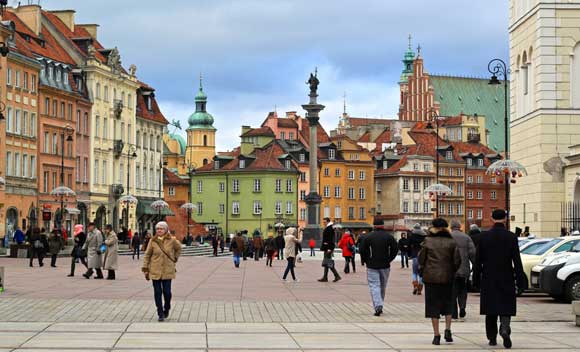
(78, 229)
(440, 223)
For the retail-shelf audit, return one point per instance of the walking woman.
(415, 240)
(55, 245)
(159, 262)
(439, 260)
(79, 239)
(270, 247)
(291, 241)
(111, 257)
(346, 244)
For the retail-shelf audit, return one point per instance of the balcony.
(118, 145)
(473, 137)
(118, 108)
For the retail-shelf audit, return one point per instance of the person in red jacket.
(311, 244)
(346, 244)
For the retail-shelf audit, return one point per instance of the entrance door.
(11, 223)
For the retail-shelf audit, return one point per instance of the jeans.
(377, 279)
(136, 250)
(290, 268)
(459, 295)
(312, 252)
(415, 276)
(280, 253)
(236, 260)
(162, 288)
(491, 325)
(348, 260)
(404, 259)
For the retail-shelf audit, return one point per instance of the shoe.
(110, 278)
(86, 276)
(448, 336)
(285, 280)
(505, 335)
(32, 266)
(493, 342)
(419, 289)
(99, 277)
(378, 311)
(322, 280)
(462, 313)
(41, 265)
(161, 319)
(70, 275)
(166, 313)
(436, 340)
(53, 266)
(297, 280)
(336, 279)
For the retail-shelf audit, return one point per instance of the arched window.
(525, 77)
(205, 161)
(204, 141)
(575, 77)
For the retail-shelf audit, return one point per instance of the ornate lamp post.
(160, 204)
(128, 199)
(436, 190)
(189, 207)
(313, 199)
(510, 169)
(62, 191)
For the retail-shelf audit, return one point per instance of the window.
(18, 127)
(54, 144)
(54, 108)
(235, 185)
(451, 134)
(288, 164)
(441, 208)
(46, 142)
(242, 163)
(331, 154)
(85, 170)
(479, 179)
(291, 136)
(405, 207)
(278, 207)
(469, 161)
(171, 190)
(257, 207)
(459, 209)
(351, 193)
(235, 207)
(415, 207)
(129, 101)
(493, 195)
(351, 213)
(257, 185)
(326, 171)
(289, 208)
(199, 186)
(104, 176)
(199, 208)
(450, 171)
(337, 192)
(361, 193)
(362, 175)
(289, 186)
(469, 179)
(303, 177)
(449, 155)
(405, 184)
(459, 172)
(470, 213)
(302, 157)
(105, 128)
(302, 195)
(86, 123)
(25, 166)
(17, 165)
(96, 172)
(469, 195)
(385, 164)
(106, 93)
(222, 186)
(303, 213)
(441, 171)
(479, 195)
(97, 125)
(337, 212)
(32, 167)
(138, 176)
(493, 180)
(460, 189)
(9, 164)
(450, 209)
(9, 76)
(327, 211)
(480, 213)
(426, 167)
(326, 192)
(337, 172)
(33, 83)
(351, 174)
(415, 184)
(282, 135)
(45, 182)
(32, 124)
(479, 162)
(278, 185)
(426, 207)
(426, 183)
(222, 208)
(17, 79)
(9, 120)
(78, 169)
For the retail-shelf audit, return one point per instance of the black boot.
(436, 340)
(448, 336)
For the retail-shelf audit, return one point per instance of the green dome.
(200, 119)
(200, 96)
(181, 141)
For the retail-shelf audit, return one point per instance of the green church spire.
(408, 62)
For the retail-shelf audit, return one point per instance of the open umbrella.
(128, 199)
(189, 206)
(63, 191)
(438, 189)
(159, 204)
(511, 168)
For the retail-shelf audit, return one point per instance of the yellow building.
(200, 133)
(346, 183)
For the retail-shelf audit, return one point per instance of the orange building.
(4, 35)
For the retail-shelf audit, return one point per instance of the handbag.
(38, 244)
(328, 262)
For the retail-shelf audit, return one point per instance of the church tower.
(200, 133)
(544, 110)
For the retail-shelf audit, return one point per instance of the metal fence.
(570, 219)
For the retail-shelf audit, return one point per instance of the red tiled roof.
(384, 137)
(395, 167)
(261, 131)
(265, 158)
(170, 178)
(321, 134)
(451, 121)
(155, 114)
(474, 148)
(363, 121)
(365, 138)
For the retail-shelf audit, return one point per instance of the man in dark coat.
(327, 247)
(497, 268)
(280, 244)
(474, 234)
(404, 246)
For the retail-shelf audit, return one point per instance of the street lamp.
(509, 168)
(131, 154)
(160, 203)
(260, 210)
(189, 207)
(62, 191)
(438, 189)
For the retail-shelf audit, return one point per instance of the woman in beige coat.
(111, 256)
(290, 242)
(159, 266)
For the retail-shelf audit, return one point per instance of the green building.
(238, 191)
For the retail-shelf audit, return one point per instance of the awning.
(355, 225)
(144, 208)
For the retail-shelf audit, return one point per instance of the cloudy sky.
(255, 55)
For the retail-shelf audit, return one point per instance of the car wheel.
(572, 290)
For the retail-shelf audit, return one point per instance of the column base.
(311, 233)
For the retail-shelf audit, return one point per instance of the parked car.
(534, 256)
(532, 243)
(559, 275)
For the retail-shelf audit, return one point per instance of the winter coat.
(280, 243)
(379, 249)
(290, 242)
(258, 242)
(111, 256)
(55, 243)
(467, 252)
(136, 241)
(439, 258)
(239, 250)
(497, 268)
(160, 257)
(311, 243)
(346, 241)
(475, 236)
(415, 240)
(404, 245)
(94, 241)
(328, 238)
(270, 245)
(19, 236)
(33, 237)
(79, 241)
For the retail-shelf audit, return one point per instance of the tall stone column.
(313, 199)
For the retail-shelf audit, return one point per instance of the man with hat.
(379, 249)
(497, 268)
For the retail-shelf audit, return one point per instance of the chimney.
(67, 17)
(91, 28)
(291, 114)
(31, 16)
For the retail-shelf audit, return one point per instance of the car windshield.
(542, 248)
(576, 248)
(522, 242)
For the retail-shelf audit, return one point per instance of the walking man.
(136, 245)
(94, 252)
(379, 249)
(497, 267)
(237, 247)
(467, 253)
(327, 247)
(404, 249)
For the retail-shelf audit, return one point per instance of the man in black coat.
(497, 268)
(327, 247)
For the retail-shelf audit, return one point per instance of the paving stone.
(332, 328)
(88, 327)
(245, 328)
(335, 341)
(72, 340)
(161, 340)
(191, 328)
(418, 341)
(13, 339)
(16, 326)
(248, 341)
(521, 340)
